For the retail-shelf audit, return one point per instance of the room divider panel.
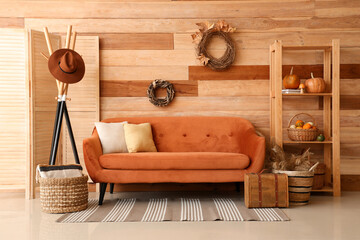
(43, 103)
(14, 105)
(28, 105)
(25, 91)
(83, 106)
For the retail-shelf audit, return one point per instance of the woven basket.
(319, 177)
(300, 185)
(302, 134)
(63, 195)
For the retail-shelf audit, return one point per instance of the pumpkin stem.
(291, 71)
(312, 75)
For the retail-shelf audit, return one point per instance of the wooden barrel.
(319, 177)
(300, 185)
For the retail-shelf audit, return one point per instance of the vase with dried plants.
(299, 169)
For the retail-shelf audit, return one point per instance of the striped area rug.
(172, 209)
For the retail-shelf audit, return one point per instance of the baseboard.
(348, 183)
(12, 190)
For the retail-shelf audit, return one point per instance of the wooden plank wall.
(141, 40)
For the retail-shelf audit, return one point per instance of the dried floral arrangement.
(202, 38)
(277, 159)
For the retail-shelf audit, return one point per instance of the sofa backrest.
(195, 134)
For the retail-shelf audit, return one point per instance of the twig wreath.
(202, 39)
(160, 102)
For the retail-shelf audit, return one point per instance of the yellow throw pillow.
(139, 138)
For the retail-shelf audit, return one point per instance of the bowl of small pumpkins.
(299, 130)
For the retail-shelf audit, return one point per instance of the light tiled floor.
(325, 218)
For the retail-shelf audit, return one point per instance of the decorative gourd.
(320, 138)
(315, 85)
(291, 81)
(302, 88)
(299, 123)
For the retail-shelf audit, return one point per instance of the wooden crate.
(266, 190)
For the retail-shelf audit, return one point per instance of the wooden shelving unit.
(331, 107)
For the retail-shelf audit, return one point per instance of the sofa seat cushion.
(175, 161)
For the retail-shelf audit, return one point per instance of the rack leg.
(57, 134)
(71, 135)
(54, 132)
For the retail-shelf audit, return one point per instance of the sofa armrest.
(254, 148)
(92, 151)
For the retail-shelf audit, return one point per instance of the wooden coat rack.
(61, 109)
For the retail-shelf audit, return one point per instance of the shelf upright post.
(336, 116)
(327, 116)
(278, 126)
(272, 91)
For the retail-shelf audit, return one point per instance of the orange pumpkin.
(291, 81)
(315, 85)
(307, 126)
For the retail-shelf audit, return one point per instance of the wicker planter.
(63, 195)
(319, 177)
(300, 185)
(302, 134)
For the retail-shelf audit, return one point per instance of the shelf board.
(324, 189)
(318, 142)
(307, 47)
(307, 94)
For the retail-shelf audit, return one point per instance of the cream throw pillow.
(139, 138)
(112, 137)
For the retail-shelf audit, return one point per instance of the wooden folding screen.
(14, 124)
(84, 105)
(43, 102)
(28, 105)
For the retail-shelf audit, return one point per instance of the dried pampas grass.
(279, 160)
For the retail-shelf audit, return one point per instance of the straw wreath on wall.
(202, 38)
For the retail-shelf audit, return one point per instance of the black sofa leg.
(112, 188)
(237, 186)
(102, 192)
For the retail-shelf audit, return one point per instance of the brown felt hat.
(66, 66)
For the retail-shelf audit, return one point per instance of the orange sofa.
(190, 150)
